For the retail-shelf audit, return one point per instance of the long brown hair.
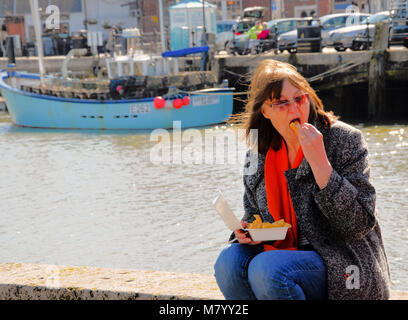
(266, 83)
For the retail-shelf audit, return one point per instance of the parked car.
(351, 36)
(288, 41)
(250, 16)
(396, 36)
(254, 13)
(225, 26)
(399, 34)
(406, 42)
(225, 29)
(280, 25)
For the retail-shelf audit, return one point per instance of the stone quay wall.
(24, 281)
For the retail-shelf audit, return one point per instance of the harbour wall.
(357, 85)
(345, 81)
(23, 281)
(309, 64)
(51, 282)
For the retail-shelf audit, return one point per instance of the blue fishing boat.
(29, 106)
(142, 92)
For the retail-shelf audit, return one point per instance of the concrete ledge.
(48, 282)
(20, 281)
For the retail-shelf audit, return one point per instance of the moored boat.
(143, 91)
(33, 105)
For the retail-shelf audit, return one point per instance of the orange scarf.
(278, 196)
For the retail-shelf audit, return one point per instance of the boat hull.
(41, 111)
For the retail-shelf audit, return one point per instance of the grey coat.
(340, 220)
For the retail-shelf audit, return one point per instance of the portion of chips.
(294, 125)
(258, 224)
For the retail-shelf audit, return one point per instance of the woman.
(316, 180)
(252, 36)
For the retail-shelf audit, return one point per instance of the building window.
(68, 5)
(6, 8)
(21, 7)
(341, 4)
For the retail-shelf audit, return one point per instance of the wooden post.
(376, 74)
(292, 59)
(218, 69)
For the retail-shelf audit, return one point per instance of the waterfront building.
(75, 15)
(364, 6)
(307, 8)
(101, 15)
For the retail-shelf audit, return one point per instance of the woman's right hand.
(243, 237)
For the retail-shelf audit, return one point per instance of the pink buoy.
(119, 89)
(177, 103)
(186, 100)
(159, 102)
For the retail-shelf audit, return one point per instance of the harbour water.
(101, 198)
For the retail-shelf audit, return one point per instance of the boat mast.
(37, 29)
(162, 35)
(203, 17)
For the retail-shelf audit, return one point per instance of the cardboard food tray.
(232, 223)
(268, 234)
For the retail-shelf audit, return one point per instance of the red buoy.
(159, 102)
(177, 103)
(186, 100)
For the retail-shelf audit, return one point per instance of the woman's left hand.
(311, 141)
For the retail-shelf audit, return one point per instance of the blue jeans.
(246, 272)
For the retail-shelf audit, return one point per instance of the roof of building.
(190, 4)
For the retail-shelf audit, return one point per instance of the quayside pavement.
(23, 281)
